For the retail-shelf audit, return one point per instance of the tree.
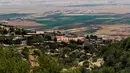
(48, 64)
(126, 70)
(104, 70)
(12, 62)
(3, 31)
(25, 53)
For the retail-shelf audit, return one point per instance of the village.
(56, 44)
(51, 42)
(19, 36)
(72, 50)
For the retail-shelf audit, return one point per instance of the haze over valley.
(41, 6)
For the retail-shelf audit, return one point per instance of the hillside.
(44, 53)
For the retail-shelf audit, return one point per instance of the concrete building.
(67, 39)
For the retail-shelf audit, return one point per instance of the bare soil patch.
(23, 23)
(117, 29)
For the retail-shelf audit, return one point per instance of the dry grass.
(117, 29)
(23, 23)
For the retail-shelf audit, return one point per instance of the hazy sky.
(5, 3)
(38, 5)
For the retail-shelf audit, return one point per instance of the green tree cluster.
(12, 62)
(116, 57)
(48, 64)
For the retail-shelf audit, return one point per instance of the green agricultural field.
(62, 20)
(72, 21)
(12, 15)
(59, 20)
(92, 31)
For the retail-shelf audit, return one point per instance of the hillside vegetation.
(116, 58)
